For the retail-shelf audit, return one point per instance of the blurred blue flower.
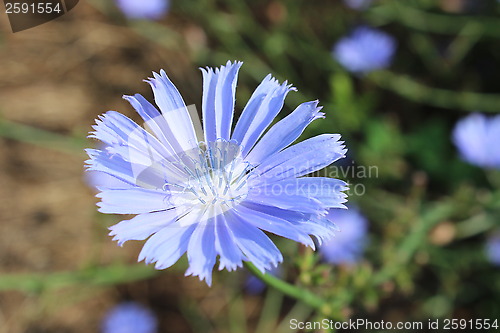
(144, 9)
(129, 317)
(214, 198)
(493, 250)
(365, 49)
(357, 4)
(476, 137)
(347, 246)
(254, 285)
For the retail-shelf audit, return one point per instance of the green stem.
(302, 295)
(416, 239)
(415, 91)
(109, 275)
(397, 11)
(42, 138)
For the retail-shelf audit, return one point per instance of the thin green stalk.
(300, 294)
(110, 275)
(418, 92)
(28, 134)
(416, 238)
(397, 11)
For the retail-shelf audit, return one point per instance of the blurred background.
(412, 86)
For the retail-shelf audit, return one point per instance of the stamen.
(218, 166)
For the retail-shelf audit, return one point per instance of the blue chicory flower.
(357, 4)
(365, 49)
(144, 9)
(493, 249)
(129, 317)
(476, 137)
(348, 244)
(216, 197)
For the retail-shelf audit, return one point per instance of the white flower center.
(217, 178)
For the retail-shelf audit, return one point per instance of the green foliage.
(430, 213)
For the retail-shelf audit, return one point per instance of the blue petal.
(201, 252)
(301, 159)
(219, 88)
(312, 224)
(101, 180)
(273, 224)
(285, 132)
(328, 191)
(320, 227)
(133, 201)
(268, 196)
(146, 176)
(254, 244)
(133, 144)
(262, 107)
(230, 255)
(167, 245)
(153, 119)
(180, 131)
(120, 132)
(115, 129)
(114, 166)
(142, 226)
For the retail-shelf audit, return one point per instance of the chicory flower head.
(215, 196)
(144, 9)
(365, 49)
(129, 317)
(357, 4)
(493, 250)
(476, 137)
(348, 244)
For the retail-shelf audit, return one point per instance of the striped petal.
(285, 132)
(219, 89)
(180, 129)
(263, 106)
(301, 159)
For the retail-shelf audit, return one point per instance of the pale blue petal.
(167, 245)
(201, 252)
(279, 198)
(120, 133)
(142, 226)
(115, 129)
(219, 89)
(285, 132)
(328, 191)
(301, 159)
(101, 180)
(180, 131)
(312, 224)
(230, 255)
(320, 227)
(153, 119)
(146, 155)
(272, 224)
(263, 106)
(114, 166)
(133, 201)
(254, 244)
